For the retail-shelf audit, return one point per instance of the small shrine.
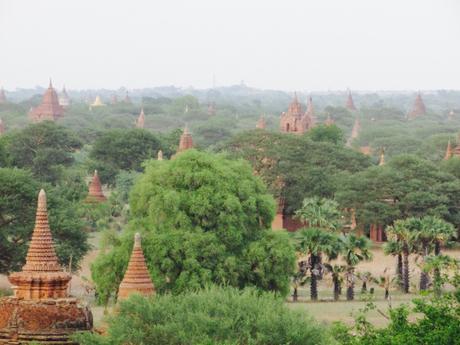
(95, 193)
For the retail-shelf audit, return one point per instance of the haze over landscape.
(287, 45)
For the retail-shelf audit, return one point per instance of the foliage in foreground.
(218, 316)
(437, 322)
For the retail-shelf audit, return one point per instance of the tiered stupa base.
(47, 321)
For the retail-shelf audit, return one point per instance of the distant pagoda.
(350, 105)
(3, 99)
(186, 141)
(261, 123)
(137, 278)
(97, 103)
(95, 193)
(127, 99)
(41, 309)
(49, 109)
(310, 112)
(141, 119)
(329, 120)
(418, 108)
(212, 108)
(64, 99)
(2, 126)
(295, 120)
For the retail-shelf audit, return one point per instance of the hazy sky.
(290, 45)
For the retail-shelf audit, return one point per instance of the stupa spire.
(186, 141)
(41, 276)
(449, 152)
(141, 119)
(418, 108)
(95, 193)
(350, 105)
(382, 157)
(137, 278)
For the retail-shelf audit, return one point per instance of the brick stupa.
(186, 141)
(350, 105)
(141, 119)
(95, 193)
(418, 108)
(449, 151)
(295, 120)
(137, 278)
(261, 123)
(49, 109)
(41, 310)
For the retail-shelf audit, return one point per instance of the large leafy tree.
(44, 148)
(321, 213)
(118, 150)
(205, 219)
(18, 202)
(296, 167)
(219, 316)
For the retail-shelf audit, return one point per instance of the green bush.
(217, 316)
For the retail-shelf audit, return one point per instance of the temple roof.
(49, 109)
(186, 141)
(137, 278)
(95, 193)
(418, 108)
(141, 119)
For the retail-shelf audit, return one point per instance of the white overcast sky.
(288, 44)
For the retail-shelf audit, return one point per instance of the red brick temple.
(295, 120)
(137, 278)
(449, 151)
(49, 109)
(95, 193)
(261, 123)
(141, 119)
(350, 105)
(3, 99)
(186, 141)
(41, 309)
(418, 108)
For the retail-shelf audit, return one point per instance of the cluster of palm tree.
(422, 237)
(321, 242)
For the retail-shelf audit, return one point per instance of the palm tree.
(437, 263)
(320, 213)
(432, 234)
(355, 250)
(393, 247)
(316, 243)
(402, 233)
(365, 277)
(337, 278)
(384, 281)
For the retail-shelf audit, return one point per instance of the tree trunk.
(350, 285)
(399, 271)
(364, 287)
(336, 288)
(406, 279)
(295, 295)
(424, 277)
(387, 293)
(314, 260)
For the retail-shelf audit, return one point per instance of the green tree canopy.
(204, 219)
(43, 148)
(118, 149)
(18, 202)
(331, 134)
(217, 316)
